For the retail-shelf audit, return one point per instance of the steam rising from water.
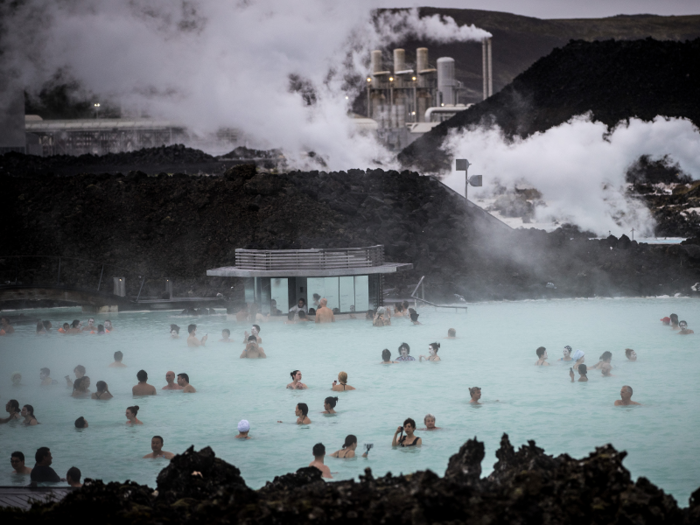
(578, 167)
(210, 64)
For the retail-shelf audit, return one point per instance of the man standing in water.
(157, 448)
(541, 356)
(170, 378)
(17, 462)
(192, 339)
(143, 388)
(626, 395)
(252, 350)
(324, 314)
(42, 471)
(319, 451)
(118, 356)
(184, 381)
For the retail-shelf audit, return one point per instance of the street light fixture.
(96, 105)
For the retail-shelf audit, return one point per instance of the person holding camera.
(408, 440)
(348, 450)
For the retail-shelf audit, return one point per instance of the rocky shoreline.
(178, 226)
(526, 486)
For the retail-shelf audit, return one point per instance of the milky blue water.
(495, 350)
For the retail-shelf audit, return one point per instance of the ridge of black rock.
(527, 486)
(180, 226)
(612, 80)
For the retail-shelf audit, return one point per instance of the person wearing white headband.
(243, 429)
(578, 359)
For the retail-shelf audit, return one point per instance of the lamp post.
(96, 105)
(474, 180)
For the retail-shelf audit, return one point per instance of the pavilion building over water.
(351, 279)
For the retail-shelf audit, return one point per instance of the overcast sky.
(562, 8)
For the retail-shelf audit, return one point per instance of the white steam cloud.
(578, 167)
(210, 64)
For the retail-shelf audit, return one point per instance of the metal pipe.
(450, 109)
(143, 279)
(100, 282)
(490, 69)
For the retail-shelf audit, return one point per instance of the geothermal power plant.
(403, 101)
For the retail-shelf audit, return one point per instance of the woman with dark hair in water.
(131, 416)
(302, 411)
(12, 408)
(28, 415)
(409, 440)
(605, 357)
(80, 387)
(386, 357)
(414, 316)
(103, 392)
(329, 405)
(296, 383)
(404, 350)
(348, 450)
(674, 322)
(432, 350)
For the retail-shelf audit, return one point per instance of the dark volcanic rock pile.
(613, 80)
(526, 486)
(179, 226)
(152, 160)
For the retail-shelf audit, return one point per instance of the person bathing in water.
(404, 350)
(341, 385)
(131, 416)
(226, 336)
(630, 354)
(252, 350)
(386, 357)
(243, 429)
(684, 328)
(432, 351)
(329, 405)
(348, 450)
(174, 331)
(192, 339)
(254, 332)
(605, 358)
(626, 397)
(541, 356)
(409, 440)
(429, 421)
(475, 394)
(567, 354)
(583, 373)
(296, 383)
(157, 448)
(319, 452)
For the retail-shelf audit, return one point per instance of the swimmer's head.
(81, 422)
(73, 475)
(683, 324)
(323, 302)
(475, 392)
(578, 355)
(674, 319)
(386, 355)
(255, 329)
(243, 426)
(28, 410)
(331, 401)
(101, 386)
(404, 349)
(409, 422)
(630, 354)
(429, 420)
(79, 371)
(452, 332)
(350, 440)
(75, 323)
(100, 329)
(433, 348)
(414, 315)
(183, 379)
(44, 372)
(301, 303)
(606, 356)
(12, 406)
(567, 351)
(108, 324)
(225, 332)
(134, 410)
(142, 376)
(174, 329)
(582, 369)
(294, 373)
(302, 314)
(191, 328)
(252, 339)
(319, 450)
(343, 377)
(626, 391)
(91, 321)
(303, 409)
(66, 326)
(118, 356)
(541, 351)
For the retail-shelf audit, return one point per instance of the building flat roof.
(235, 271)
